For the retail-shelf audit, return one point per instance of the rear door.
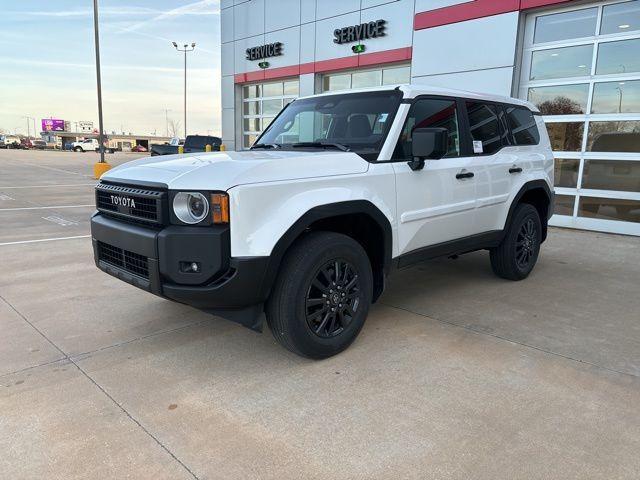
(435, 204)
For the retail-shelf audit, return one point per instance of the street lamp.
(166, 121)
(185, 48)
(98, 170)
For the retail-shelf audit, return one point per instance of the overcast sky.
(47, 64)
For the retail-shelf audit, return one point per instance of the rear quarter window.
(523, 126)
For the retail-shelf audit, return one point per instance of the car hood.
(224, 170)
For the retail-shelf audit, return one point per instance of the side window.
(486, 132)
(429, 113)
(523, 125)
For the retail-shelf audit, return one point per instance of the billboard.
(52, 125)
(85, 126)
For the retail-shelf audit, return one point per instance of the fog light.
(189, 267)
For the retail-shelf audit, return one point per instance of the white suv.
(339, 190)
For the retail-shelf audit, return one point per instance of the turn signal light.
(220, 207)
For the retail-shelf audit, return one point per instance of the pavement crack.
(515, 342)
(101, 388)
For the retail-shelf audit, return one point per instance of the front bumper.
(150, 259)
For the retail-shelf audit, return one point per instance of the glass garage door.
(366, 78)
(581, 67)
(261, 102)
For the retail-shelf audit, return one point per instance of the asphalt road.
(456, 375)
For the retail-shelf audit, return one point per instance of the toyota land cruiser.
(337, 192)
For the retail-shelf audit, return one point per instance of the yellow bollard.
(180, 149)
(207, 148)
(99, 168)
(222, 147)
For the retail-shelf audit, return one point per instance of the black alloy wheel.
(526, 244)
(333, 298)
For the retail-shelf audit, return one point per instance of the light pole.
(619, 89)
(185, 48)
(99, 80)
(28, 127)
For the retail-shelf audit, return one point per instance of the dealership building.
(578, 61)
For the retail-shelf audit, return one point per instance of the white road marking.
(50, 186)
(59, 220)
(43, 240)
(4, 196)
(45, 208)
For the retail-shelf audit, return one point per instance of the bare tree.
(174, 128)
(560, 106)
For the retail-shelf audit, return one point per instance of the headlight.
(190, 207)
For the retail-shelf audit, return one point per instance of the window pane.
(272, 89)
(484, 126)
(623, 136)
(611, 175)
(251, 124)
(271, 107)
(610, 209)
(523, 126)
(266, 121)
(248, 140)
(563, 205)
(566, 172)
(561, 99)
(616, 97)
(562, 26)
(621, 17)
(366, 79)
(392, 76)
(566, 136)
(336, 82)
(251, 91)
(429, 113)
(618, 57)
(292, 87)
(251, 108)
(561, 62)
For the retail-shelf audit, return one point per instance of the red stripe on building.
(323, 66)
(473, 10)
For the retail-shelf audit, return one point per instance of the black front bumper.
(233, 288)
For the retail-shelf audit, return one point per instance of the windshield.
(356, 122)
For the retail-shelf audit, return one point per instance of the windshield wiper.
(267, 145)
(339, 146)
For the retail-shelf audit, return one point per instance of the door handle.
(515, 170)
(462, 175)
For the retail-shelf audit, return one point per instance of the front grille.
(129, 261)
(132, 203)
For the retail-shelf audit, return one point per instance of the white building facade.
(579, 61)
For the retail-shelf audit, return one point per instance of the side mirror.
(427, 143)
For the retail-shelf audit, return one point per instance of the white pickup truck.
(338, 192)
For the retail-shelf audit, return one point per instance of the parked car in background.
(89, 145)
(139, 149)
(193, 143)
(39, 145)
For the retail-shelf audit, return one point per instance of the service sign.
(357, 33)
(52, 125)
(264, 51)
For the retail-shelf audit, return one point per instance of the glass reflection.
(336, 82)
(562, 26)
(621, 175)
(620, 17)
(292, 87)
(272, 89)
(561, 99)
(622, 136)
(618, 57)
(561, 62)
(392, 76)
(563, 205)
(566, 172)
(566, 136)
(616, 97)
(609, 209)
(366, 79)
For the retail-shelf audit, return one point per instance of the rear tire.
(518, 252)
(322, 295)
(78, 149)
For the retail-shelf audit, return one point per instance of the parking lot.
(457, 373)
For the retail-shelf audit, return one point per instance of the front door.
(435, 204)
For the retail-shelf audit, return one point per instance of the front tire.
(78, 149)
(321, 298)
(518, 252)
